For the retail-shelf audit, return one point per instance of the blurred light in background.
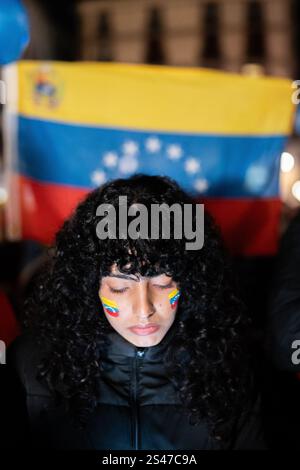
(3, 196)
(287, 162)
(253, 70)
(296, 190)
(290, 174)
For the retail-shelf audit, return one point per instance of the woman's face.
(141, 309)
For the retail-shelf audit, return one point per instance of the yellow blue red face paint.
(110, 307)
(174, 297)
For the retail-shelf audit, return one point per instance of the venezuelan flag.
(174, 297)
(110, 307)
(219, 135)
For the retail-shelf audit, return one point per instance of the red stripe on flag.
(44, 207)
(249, 226)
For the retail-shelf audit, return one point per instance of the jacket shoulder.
(23, 357)
(283, 327)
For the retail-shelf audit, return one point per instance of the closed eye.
(168, 286)
(118, 291)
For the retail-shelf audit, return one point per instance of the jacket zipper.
(139, 354)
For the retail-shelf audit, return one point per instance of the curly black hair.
(208, 357)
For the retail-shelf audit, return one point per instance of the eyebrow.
(129, 278)
(124, 276)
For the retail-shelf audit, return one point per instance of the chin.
(145, 341)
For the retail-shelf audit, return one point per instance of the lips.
(144, 330)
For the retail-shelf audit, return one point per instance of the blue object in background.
(297, 121)
(14, 30)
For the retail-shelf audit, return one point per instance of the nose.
(143, 308)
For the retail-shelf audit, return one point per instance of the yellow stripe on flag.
(160, 98)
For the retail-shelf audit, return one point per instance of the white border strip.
(12, 213)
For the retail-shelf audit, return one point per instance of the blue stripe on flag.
(209, 165)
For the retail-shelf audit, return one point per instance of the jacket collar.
(119, 346)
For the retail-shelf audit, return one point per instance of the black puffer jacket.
(138, 407)
(284, 311)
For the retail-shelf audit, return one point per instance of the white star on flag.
(130, 148)
(110, 159)
(201, 185)
(256, 177)
(153, 144)
(174, 152)
(128, 164)
(98, 177)
(192, 165)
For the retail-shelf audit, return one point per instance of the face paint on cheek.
(174, 298)
(110, 307)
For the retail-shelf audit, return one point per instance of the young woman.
(134, 343)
